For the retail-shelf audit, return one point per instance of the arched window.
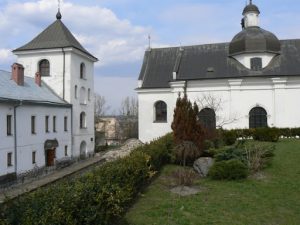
(44, 68)
(160, 111)
(258, 118)
(75, 91)
(207, 118)
(83, 149)
(82, 95)
(82, 71)
(82, 120)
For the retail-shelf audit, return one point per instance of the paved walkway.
(17, 190)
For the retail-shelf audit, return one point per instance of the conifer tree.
(185, 125)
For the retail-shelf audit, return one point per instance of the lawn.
(271, 199)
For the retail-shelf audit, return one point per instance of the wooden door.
(50, 157)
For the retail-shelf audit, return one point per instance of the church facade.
(48, 109)
(253, 81)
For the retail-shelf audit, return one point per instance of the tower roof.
(57, 35)
(251, 8)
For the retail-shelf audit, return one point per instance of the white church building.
(47, 102)
(253, 81)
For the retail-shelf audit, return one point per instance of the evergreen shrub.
(229, 136)
(232, 169)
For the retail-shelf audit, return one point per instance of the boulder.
(202, 165)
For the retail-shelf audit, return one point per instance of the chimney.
(17, 73)
(38, 79)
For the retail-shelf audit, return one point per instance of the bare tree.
(129, 107)
(101, 106)
(216, 103)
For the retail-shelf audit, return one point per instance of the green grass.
(274, 200)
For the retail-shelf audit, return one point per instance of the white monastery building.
(253, 81)
(47, 102)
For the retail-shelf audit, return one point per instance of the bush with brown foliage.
(186, 126)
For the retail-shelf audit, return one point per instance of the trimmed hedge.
(266, 134)
(98, 197)
(260, 134)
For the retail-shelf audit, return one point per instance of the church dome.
(254, 40)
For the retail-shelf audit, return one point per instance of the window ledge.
(160, 121)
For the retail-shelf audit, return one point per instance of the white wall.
(245, 58)
(278, 96)
(28, 142)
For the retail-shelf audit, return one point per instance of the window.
(258, 118)
(33, 157)
(75, 91)
(47, 124)
(33, 125)
(9, 125)
(9, 159)
(82, 71)
(82, 96)
(66, 150)
(207, 118)
(256, 64)
(54, 123)
(160, 111)
(82, 120)
(89, 94)
(66, 123)
(44, 68)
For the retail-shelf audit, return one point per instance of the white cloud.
(100, 31)
(6, 56)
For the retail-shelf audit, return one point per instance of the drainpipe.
(64, 71)
(72, 144)
(15, 136)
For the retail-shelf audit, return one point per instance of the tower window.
(256, 64)
(44, 68)
(9, 125)
(82, 71)
(82, 120)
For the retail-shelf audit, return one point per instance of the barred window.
(258, 118)
(207, 118)
(44, 68)
(160, 111)
(256, 64)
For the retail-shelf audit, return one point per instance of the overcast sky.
(116, 31)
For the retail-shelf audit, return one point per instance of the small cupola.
(254, 47)
(251, 15)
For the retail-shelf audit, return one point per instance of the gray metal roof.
(251, 8)
(212, 61)
(254, 39)
(57, 35)
(30, 92)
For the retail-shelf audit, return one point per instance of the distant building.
(255, 77)
(47, 102)
(115, 130)
(108, 129)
